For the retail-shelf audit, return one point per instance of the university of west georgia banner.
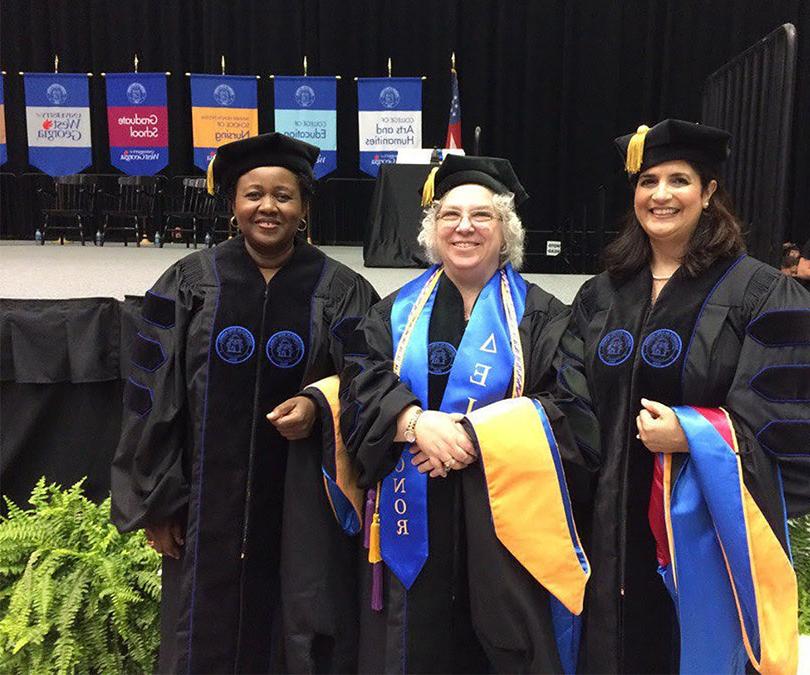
(3, 153)
(306, 110)
(389, 119)
(137, 118)
(223, 109)
(57, 113)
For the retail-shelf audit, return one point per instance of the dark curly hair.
(718, 235)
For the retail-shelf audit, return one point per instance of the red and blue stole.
(732, 582)
(488, 358)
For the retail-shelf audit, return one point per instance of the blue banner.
(389, 119)
(3, 153)
(306, 109)
(223, 109)
(57, 112)
(138, 121)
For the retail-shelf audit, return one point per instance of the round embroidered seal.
(389, 97)
(235, 344)
(224, 94)
(440, 357)
(305, 96)
(285, 349)
(661, 348)
(136, 93)
(615, 348)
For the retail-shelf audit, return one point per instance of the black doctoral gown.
(218, 349)
(737, 336)
(473, 608)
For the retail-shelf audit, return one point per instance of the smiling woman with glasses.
(441, 411)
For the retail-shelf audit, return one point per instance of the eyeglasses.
(478, 218)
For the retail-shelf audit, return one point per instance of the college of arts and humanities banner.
(3, 153)
(223, 109)
(138, 122)
(57, 112)
(306, 110)
(389, 119)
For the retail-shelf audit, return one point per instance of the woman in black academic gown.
(697, 359)
(475, 565)
(229, 335)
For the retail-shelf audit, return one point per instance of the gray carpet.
(28, 270)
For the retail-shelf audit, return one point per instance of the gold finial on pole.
(453, 61)
(56, 63)
(222, 63)
(389, 66)
(135, 63)
(305, 66)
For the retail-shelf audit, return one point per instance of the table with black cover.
(395, 216)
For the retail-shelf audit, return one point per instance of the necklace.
(655, 278)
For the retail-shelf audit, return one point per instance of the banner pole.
(56, 64)
(222, 63)
(389, 66)
(135, 63)
(305, 66)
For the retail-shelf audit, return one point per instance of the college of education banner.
(306, 110)
(223, 109)
(389, 119)
(138, 122)
(3, 153)
(57, 113)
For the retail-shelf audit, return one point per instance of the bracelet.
(410, 429)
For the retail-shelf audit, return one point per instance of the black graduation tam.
(273, 149)
(673, 140)
(494, 173)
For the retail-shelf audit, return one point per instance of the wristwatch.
(410, 428)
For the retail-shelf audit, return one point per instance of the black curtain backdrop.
(550, 82)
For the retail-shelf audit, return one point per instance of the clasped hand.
(659, 429)
(441, 445)
(294, 418)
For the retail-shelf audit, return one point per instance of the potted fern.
(75, 595)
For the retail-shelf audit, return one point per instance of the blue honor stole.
(488, 358)
(733, 585)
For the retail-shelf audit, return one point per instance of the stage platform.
(53, 271)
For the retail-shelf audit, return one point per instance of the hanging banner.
(3, 153)
(57, 113)
(138, 121)
(223, 109)
(389, 119)
(306, 109)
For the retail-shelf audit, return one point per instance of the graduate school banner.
(389, 119)
(306, 110)
(138, 122)
(57, 112)
(3, 153)
(223, 109)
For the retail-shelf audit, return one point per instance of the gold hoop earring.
(303, 226)
(233, 223)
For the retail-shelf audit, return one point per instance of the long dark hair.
(718, 235)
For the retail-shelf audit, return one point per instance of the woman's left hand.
(294, 418)
(659, 428)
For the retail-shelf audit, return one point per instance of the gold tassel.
(428, 189)
(209, 177)
(374, 553)
(635, 150)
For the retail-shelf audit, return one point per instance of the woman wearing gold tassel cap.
(697, 359)
(229, 335)
(474, 561)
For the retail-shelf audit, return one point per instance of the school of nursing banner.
(223, 109)
(389, 119)
(3, 153)
(306, 110)
(138, 121)
(57, 112)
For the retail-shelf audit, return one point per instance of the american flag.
(454, 125)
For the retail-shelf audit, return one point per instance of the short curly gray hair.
(513, 232)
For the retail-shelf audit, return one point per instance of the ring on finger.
(450, 463)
